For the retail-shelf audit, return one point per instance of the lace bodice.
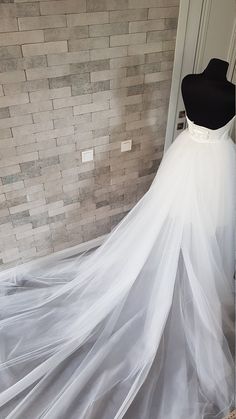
(204, 134)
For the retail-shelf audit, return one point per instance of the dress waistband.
(203, 134)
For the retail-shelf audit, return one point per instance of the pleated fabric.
(143, 326)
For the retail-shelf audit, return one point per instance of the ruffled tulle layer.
(142, 327)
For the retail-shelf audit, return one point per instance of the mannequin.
(214, 96)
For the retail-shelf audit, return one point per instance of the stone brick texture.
(76, 75)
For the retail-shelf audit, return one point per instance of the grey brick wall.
(75, 75)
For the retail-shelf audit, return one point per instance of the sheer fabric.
(142, 327)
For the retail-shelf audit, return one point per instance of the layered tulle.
(142, 327)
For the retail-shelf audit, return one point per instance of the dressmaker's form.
(214, 96)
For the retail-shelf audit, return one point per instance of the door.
(206, 29)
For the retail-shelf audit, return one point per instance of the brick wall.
(76, 75)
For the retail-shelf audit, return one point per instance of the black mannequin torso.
(209, 98)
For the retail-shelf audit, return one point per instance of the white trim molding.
(232, 54)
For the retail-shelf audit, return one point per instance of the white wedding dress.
(142, 327)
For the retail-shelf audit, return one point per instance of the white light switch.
(87, 155)
(126, 145)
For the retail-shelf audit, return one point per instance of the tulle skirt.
(143, 326)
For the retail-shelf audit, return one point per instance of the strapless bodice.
(204, 134)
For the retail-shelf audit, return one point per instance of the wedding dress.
(142, 327)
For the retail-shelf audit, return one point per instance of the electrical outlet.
(126, 145)
(87, 155)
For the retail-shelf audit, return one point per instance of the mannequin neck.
(216, 70)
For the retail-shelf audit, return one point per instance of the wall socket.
(126, 145)
(87, 155)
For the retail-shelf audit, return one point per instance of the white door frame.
(184, 59)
